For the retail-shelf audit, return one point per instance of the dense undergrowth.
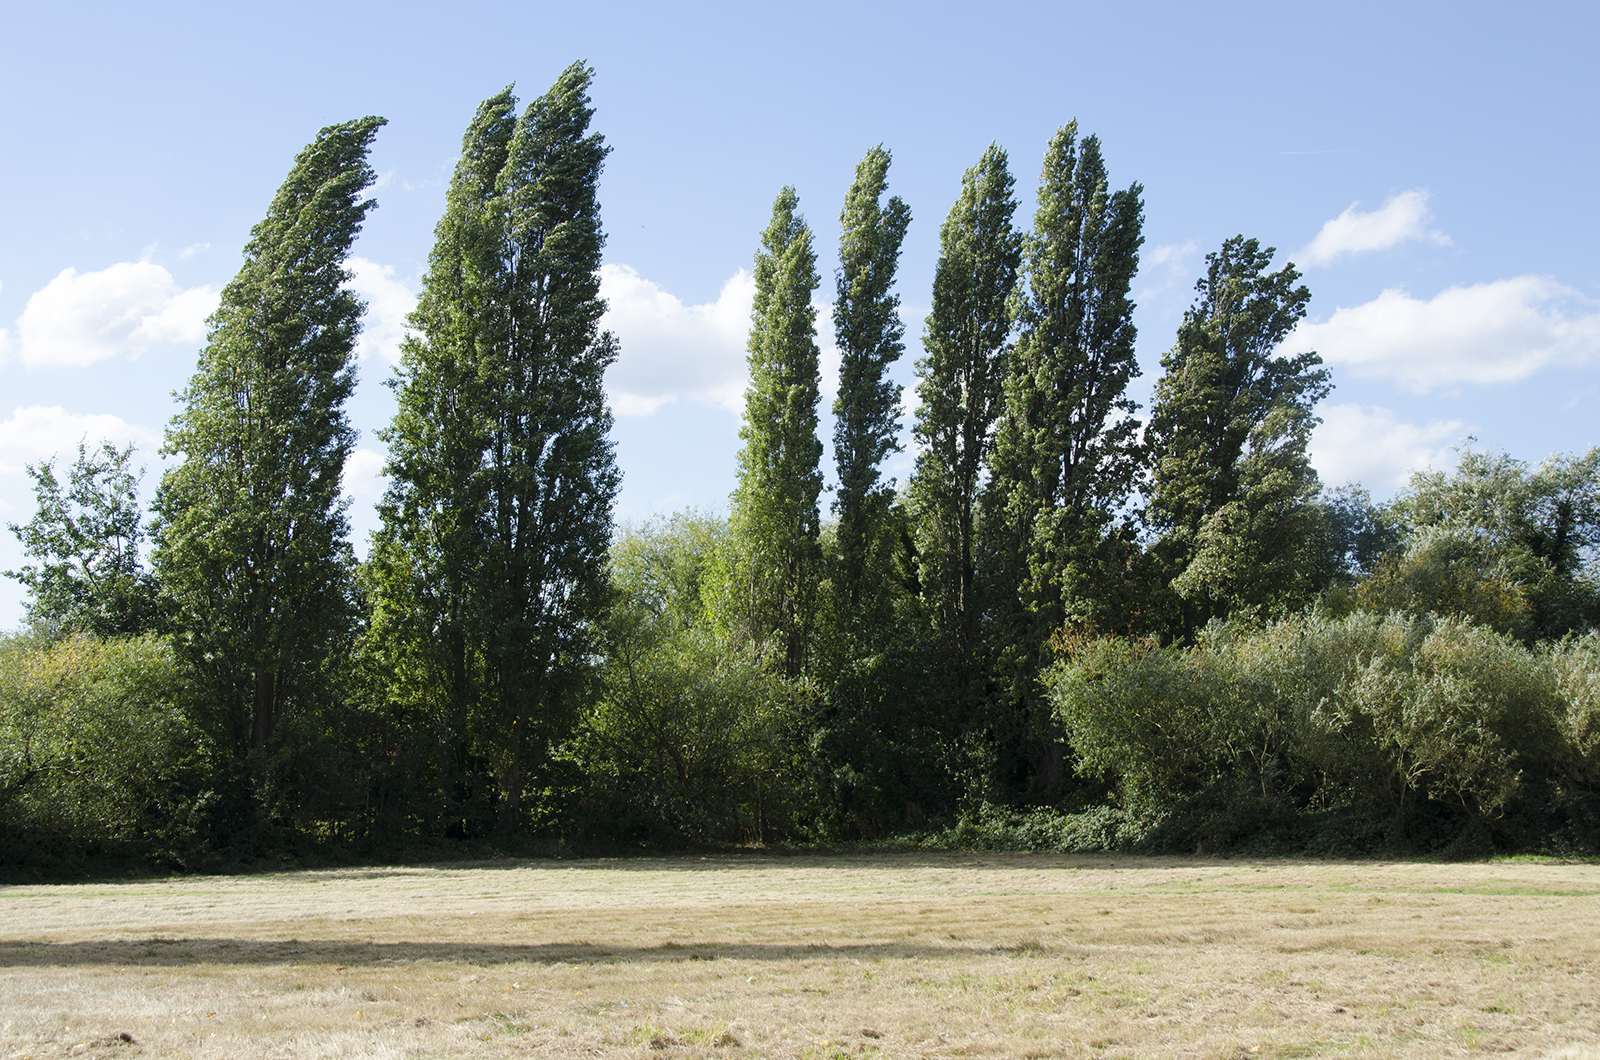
(1353, 736)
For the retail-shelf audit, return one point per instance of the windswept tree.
(425, 558)
(83, 540)
(1066, 451)
(252, 544)
(960, 383)
(1232, 487)
(775, 523)
(869, 333)
(489, 569)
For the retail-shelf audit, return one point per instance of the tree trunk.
(264, 708)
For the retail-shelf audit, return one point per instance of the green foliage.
(1375, 713)
(1510, 547)
(864, 740)
(690, 737)
(960, 384)
(1232, 488)
(1101, 829)
(1359, 532)
(425, 564)
(1577, 669)
(772, 590)
(867, 327)
(84, 540)
(507, 670)
(96, 754)
(489, 572)
(252, 542)
(1447, 572)
(1066, 449)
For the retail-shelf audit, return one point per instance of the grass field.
(811, 957)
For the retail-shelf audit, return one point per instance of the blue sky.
(1432, 167)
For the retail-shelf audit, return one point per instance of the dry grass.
(813, 957)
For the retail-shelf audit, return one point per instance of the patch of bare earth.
(895, 956)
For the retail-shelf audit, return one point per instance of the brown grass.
(813, 957)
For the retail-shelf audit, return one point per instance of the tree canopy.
(1081, 624)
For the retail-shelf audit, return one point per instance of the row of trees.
(507, 662)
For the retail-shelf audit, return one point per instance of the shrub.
(95, 752)
(690, 736)
(1366, 711)
(1576, 662)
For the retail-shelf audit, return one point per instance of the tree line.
(1054, 629)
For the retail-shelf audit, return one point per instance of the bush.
(1366, 713)
(1449, 572)
(96, 755)
(1461, 716)
(1577, 672)
(690, 738)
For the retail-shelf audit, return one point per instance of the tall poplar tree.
(1066, 448)
(503, 471)
(960, 384)
(869, 333)
(426, 557)
(1232, 487)
(252, 544)
(774, 522)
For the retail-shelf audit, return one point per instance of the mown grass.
(890, 955)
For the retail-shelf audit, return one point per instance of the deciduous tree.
(960, 385)
(1232, 487)
(775, 522)
(1066, 450)
(86, 575)
(252, 543)
(869, 333)
(490, 565)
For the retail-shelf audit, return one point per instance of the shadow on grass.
(163, 952)
(753, 860)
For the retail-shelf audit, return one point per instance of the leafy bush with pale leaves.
(1367, 710)
(1577, 668)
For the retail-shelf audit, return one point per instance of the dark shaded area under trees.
(1080, 625)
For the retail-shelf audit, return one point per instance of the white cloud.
(78, 319)
(1495, 332)
(1402, 218)
(364, 480)
(39, 433)
(1166, 275)
(388, 301)
(1177, 255)
(673, 352)
(1367, 444)
(192, 249)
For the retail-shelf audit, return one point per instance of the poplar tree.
(498, 516)
(1232, 487)
(960, 386)
(252, 544)
(1066, 448)
(869, 333)
(774, 519)
(425, 559)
